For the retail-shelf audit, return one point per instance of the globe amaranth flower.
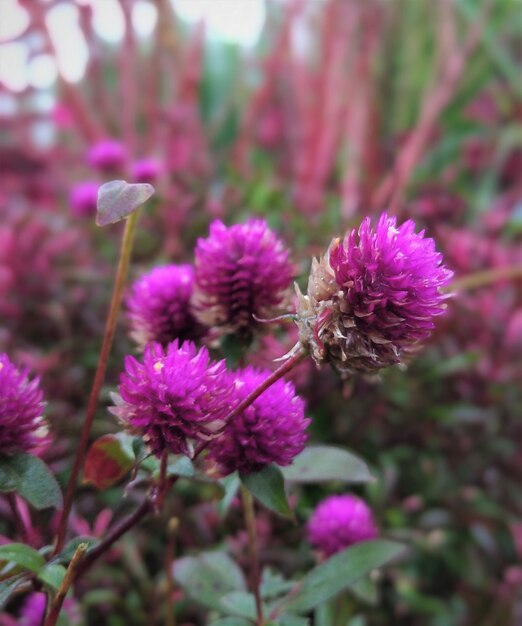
(241, 272)
(271, 430)
(22, 425)
(107, 155)
(159, 306)
(339, 522)
(146, 170)
(84, 199)
(373, 297)
(174, 397)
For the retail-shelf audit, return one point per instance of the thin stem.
(172, 530)
(485, 277)
(69, 577)
(108, 337)
(250, 522)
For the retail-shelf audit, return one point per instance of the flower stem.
(250, 522)
(108, 337)
(485, 277)
(170, 555)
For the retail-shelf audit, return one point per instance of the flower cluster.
(373, 297)
(339, 522)
(270, 430)
(159, 306)
(242, 272)
(22, 426)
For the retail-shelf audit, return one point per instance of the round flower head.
(176, 396)
(373, 297)
(339, 522)
(107, 155)
(84, 199)
(22, 426)
(146, 170)
(270, 430)
(159, 306)
(241, 272)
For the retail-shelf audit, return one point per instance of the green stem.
(485, 277)
(108, 337)
(250, 522)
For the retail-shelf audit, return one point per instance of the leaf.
(208, 577)
(52, 574)
(117, 199)
(22, 555)
(9, 586)
(108, 460)
(231, 485)
(268, 487)
(232, 621)
(68, 552)
(287, 619)
(30, 477)
(181, 466)
(338, 573)
(239, 603)
(323, 463)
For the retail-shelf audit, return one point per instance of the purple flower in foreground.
(146, 170)
(159, 306)
(84, 199)
(22, 426)
(176, 396)
(241, 271)
(107, 155)
(373, 297)
(339, 522)
(270, 430)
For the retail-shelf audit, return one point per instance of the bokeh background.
(312, 114)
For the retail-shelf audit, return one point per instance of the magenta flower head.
(84, 199)
(107, 155)
(174, 397)
(33, 611)
(241, 272)
(271, 430)
(146, 170)
(159, 306)
(339, 522)
(373, 297)
(22, 426)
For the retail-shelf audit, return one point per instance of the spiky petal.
(174, 397)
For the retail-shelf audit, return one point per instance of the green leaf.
(70, 548)
(231, 485)
(232, 621)
(30, 477)
(338, 573)
(208, 577)
(181, 466)
(240, 603)
(52, 574)
(268, 487)
(287, 619)
(22, 555)
(323, 463)
(108, 460)
(9, 586)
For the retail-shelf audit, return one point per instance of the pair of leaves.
(29, 477)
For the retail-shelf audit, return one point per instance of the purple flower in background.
(241, 271)
(373, 297)
(339, 522)
(107, 155)
(159, 306)
(84, 199)
(174, 397)
(22, 426)
(146, 170)
(271, 430)
(33, 611)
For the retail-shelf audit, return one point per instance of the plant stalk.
(250, 522)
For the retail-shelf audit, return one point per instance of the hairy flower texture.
(271, 430)
(175, 397)
(373, 297)
(241, 272)
(84, 199)
(159, 306)
(22, 425)
(146, 170)
(107, 155)
(339, 522)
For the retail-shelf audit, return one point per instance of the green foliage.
(29, 477)
(318, 464)
(268, 487)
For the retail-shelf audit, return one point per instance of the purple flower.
(339, 522)
(22, 426)
(146, 170)
(176, 396)
(270, 430)
(34, 609)
(241, 271)
(107, 155)
(84, 199)
(373, 297)
(159, 306)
